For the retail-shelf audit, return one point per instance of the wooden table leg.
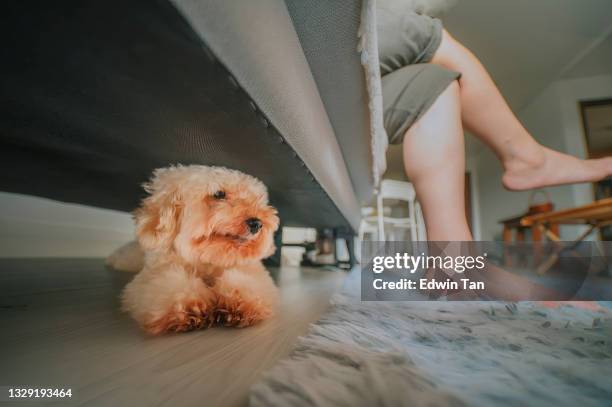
(536, 237)
(552, 259)
(536, 233)
(521, 260)
(554, 237)
(554, 228)
(507, 237)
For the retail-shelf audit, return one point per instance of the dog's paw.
(183, 317)
(239, 310)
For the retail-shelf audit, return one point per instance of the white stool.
(404, 192)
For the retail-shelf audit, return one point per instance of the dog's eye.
(219, 195)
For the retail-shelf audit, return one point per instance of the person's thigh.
(408, 93)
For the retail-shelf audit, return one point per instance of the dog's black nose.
(254, 225)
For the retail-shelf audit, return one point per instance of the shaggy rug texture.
(445, 354)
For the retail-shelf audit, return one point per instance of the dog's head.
(207, 215)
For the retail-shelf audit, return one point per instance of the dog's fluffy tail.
(128, 257)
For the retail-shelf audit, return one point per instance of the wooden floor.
(60, 325)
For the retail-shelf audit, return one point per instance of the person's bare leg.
(485, 113)
(434, 160)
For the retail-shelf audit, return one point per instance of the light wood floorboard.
(60, 325)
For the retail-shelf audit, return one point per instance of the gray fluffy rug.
(445, 354)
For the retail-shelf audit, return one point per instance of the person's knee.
(449, 52)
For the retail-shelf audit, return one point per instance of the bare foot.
(548, 168)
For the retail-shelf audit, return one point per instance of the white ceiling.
(528, 44)
(596, 62)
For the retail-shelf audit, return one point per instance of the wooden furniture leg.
(536, 233)
(554, 228)
(546, 265)
(536, 237)
(521, 259)
(507, 236)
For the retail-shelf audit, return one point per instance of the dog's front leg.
(169, 300)
(244, 298)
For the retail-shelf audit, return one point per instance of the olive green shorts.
(407, 41)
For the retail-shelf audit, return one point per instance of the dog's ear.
(274, 222)
(157, 219)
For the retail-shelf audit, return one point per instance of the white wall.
(37, 227)
(471, 166)
(570, 92)
(554, 119)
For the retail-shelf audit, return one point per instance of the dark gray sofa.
(94, 95)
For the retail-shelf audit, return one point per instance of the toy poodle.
(204, 231)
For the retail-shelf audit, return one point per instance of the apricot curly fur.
(202, 260)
